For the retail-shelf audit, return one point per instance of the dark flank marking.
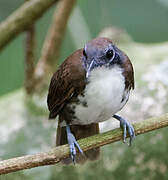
(82, 94)
(84, 103)
(73, 107)
(123, 99)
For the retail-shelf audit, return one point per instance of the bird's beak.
(89, 68)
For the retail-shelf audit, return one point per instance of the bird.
(89, 87)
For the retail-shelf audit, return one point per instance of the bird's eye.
(84, 53)
(109, 54)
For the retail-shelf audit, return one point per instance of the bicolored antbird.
(90, 86)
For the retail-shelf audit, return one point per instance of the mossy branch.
(22, 18)
(55, 155)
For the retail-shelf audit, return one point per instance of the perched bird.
(90, 86)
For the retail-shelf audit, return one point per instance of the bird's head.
(101, 52)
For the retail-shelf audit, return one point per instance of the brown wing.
(67, 80)
(128, 72)
(130, 75)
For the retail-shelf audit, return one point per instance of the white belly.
(103, 95)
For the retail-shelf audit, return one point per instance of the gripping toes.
(125, 125)
(72, 151)
(72, 143)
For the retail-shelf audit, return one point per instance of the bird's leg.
(72, 143)
(126, 126)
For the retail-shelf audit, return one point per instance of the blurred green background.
(145, 21)
(24, 128)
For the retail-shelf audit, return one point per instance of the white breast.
(103, 95)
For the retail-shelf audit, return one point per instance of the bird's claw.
(72, 143)
(127, 126)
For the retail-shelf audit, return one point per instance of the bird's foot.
(125, 125)
(72, 143)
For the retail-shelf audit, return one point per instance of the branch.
(29, 58)
(22, 18)
(52, 45)
(55, 155)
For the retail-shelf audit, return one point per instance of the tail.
(79, 131)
